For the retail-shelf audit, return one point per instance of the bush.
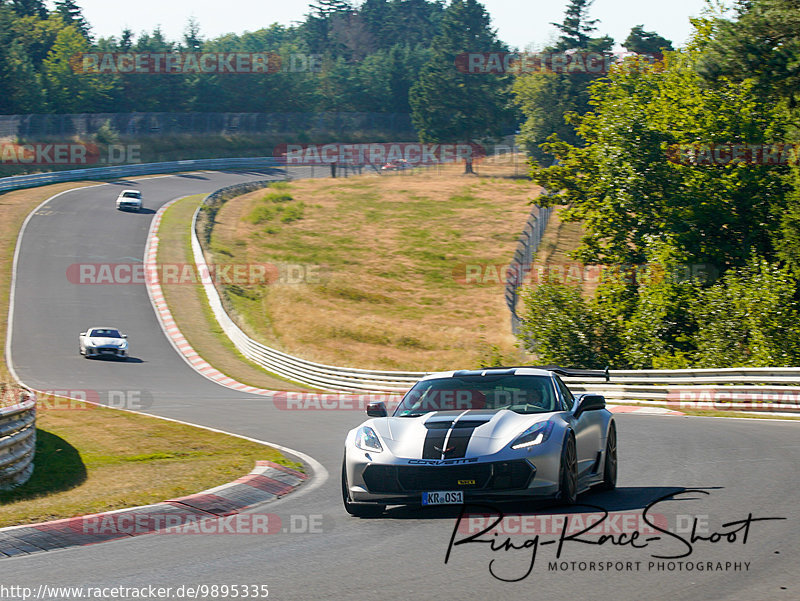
(750, 319)
(293, 212)
(260, 214)
(561, 328)
(277, 197)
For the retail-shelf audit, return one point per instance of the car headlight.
(367, 440)
(534, 435)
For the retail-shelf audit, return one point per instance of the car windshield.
(131, 194)
(522, 394)
(105, 333)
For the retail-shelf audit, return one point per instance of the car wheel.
(568, 479)
(610, 464)
(361, 510)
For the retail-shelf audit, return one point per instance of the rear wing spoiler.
(567, 372)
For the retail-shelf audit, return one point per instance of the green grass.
(387, 249)
(191, 311)
(91, 459)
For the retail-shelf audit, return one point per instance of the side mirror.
(83, 333)
(590, 402)
(124, 335)
(377, 409)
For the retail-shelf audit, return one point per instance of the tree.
(386, 76)
(317, 27)
(126, 40)
(326, 8)
(576, 27)
(633, 198)
(749, 319)
(29, 8)
(191, 36)
(72, 15)
(762, 43)
(68, 91)
(646, 42)
(559, 327)
(450, 106)
(547, 99)
(23, 85)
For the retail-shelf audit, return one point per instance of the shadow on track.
(127, 359)
(624, 498)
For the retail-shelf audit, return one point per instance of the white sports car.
(488, 434)
(130, 200)
(103, 342)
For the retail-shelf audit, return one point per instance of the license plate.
(443, 497)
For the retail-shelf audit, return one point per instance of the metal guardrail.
(17, 182)
(528, 244)
(775, 389)
(17, 441)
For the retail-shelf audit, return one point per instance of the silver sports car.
(103, 342)
(492, 434)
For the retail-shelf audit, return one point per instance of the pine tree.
(576, 28)
(191, 35)
(72, 15)
(126, 40)
(326, 8)
(450, 106)
(646, 42)
(545, 98)
(29, 8)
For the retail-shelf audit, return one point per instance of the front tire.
(359, 510)
(610, 464)
(568, 479)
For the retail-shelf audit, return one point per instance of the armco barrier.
(54, 177)
(528, 244)
(17, 441)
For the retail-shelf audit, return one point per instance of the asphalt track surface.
(741, 466)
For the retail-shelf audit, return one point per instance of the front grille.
(444, 478)
(500, 475)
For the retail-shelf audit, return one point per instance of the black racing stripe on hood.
(460, 432)
(434, 442)
(458, 441)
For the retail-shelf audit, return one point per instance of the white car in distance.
(130, 200)
(103, 342)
